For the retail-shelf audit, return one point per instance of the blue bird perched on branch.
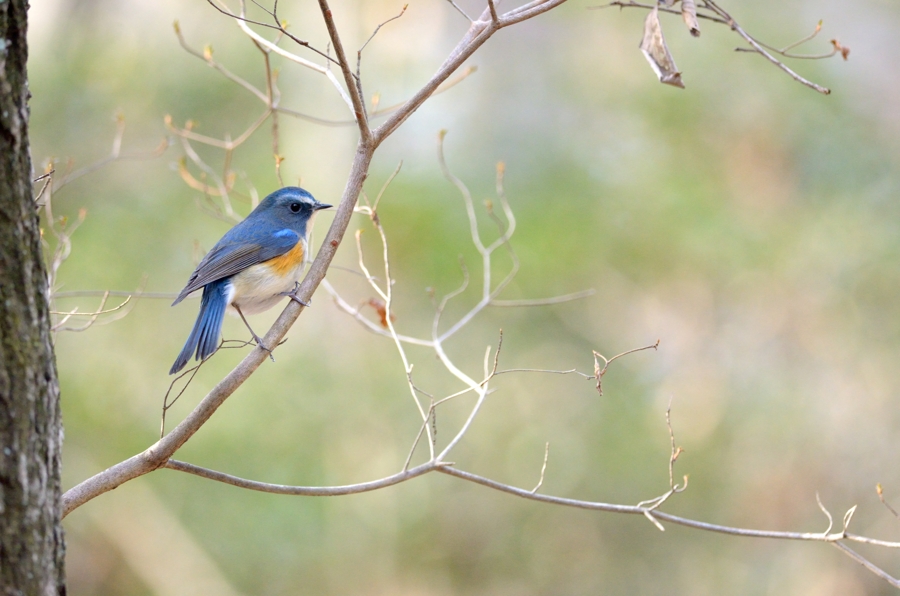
(253, 266)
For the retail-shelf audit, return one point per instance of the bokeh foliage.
(747, 222)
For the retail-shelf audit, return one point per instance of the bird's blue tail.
(204, 337)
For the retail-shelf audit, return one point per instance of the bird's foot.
(293, 295)
(256, 338)
(261, 345)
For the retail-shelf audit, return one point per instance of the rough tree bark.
(31, 537)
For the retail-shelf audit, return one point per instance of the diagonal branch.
(359, 108)
(756, 45)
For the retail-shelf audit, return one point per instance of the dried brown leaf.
(844, 50)
(689, 14)
(653, 45)
(381, 308)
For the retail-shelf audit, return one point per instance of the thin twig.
(308, 491)
(749, 39)
(243, 21)
(460, 10)
(544, 301)
(726, 19)
(543, 468)
(867, 564)
(880, 492)
(359, 107)
(631, 4)
(158, 454)
(598, 372)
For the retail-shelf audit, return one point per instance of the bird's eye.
(295, 207)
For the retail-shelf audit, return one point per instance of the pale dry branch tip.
(802, 41)
(761, 50)
(459, 10)
(544, 301)
(190, 373)
(388, 318)
(827, 514)
(280, 27)
(487, 359)
(115, 155)
(370, 326)
(849, 516)
(447, 297)
(207, 56)
(377, 29)
(385, 186)
(497, 355)
(570, 371)
(599, 372)
(675, 451)
(836, 48)
(543, 468)
(881, 498)
(92, 315)
(654, 521)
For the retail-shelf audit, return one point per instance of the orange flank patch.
(288, 261)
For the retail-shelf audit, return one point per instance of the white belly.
(256, 289)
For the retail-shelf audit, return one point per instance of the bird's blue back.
(264, 253)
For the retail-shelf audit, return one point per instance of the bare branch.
(544, 301)
(359, 107)
(631, 4)
(720, 16)
(827, 514)
(598, 372)
(92, 315)
(242, 21)
(880, 492)
(740, 31)
(543, 468)
(675, 452)
(460, 10)
(308, 491)
(122, 293)
(836, 48)
(354, 312)
(374, 33)
(867, 564)
(207, 56)
(115, 154)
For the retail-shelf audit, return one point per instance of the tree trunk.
(31, 537)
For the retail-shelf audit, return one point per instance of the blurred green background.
(747, 222)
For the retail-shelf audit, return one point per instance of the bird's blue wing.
(243, 246)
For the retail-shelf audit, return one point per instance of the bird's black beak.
(323, 206)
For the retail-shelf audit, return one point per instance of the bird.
(253, 267)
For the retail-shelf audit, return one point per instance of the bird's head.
(291, 206)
